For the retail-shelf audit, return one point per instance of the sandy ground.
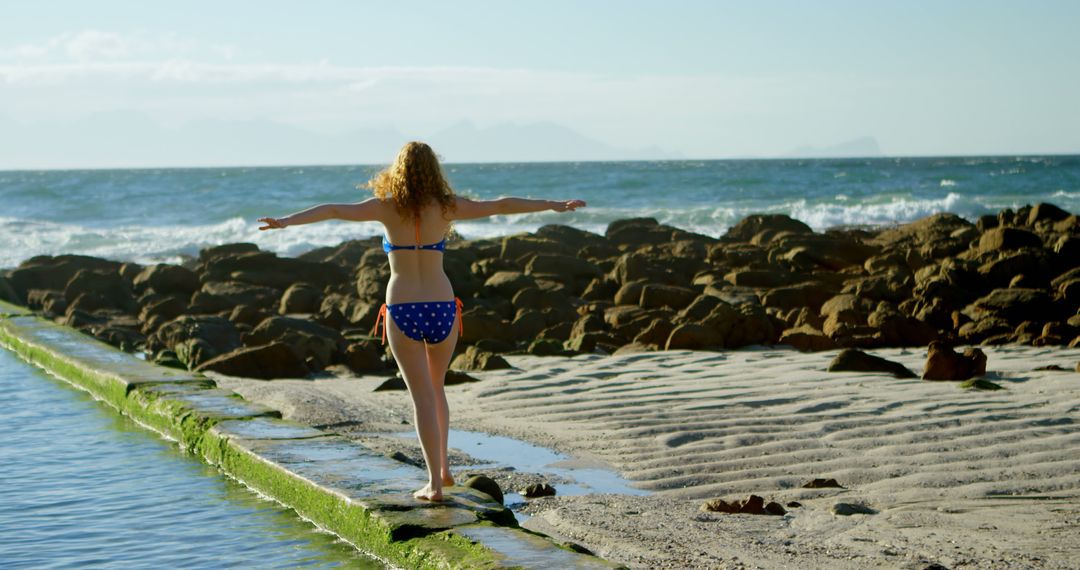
(959, 478)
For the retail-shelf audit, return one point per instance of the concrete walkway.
(359, 495)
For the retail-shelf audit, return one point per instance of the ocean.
(160, 215)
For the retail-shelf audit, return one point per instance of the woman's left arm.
(366, 211)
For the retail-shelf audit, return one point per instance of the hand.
(568, 205)
(272, 224)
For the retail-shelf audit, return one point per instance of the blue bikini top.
(437, 246)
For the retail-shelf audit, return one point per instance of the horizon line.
(614, 161)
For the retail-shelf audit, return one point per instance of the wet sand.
(961, 478)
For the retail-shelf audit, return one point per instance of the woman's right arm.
(366, 211)
(467, 209)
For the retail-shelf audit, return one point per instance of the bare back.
(416, 275)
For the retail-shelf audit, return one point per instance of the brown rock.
(508, 283)
(475, 359)
(1044, 212)
(693, 336)
(538, 490)
(852, 360)
(1017, 305)
(630, 293)
(1006, 238)
(943, 363)
(216, 297)
(656, 296)
(107, 286)
(806, 339)
(195, 339)
(751, 225)
(319, 345)
(485, 484)
(167, 280)
(657, 332)
(48, 272)
(811, 294)
(300, 298)
(161, 310)
(266, 269)
(274, 360)
(752, 505)
(587, 342)
(764, 278)
(480, 324)
(572, 266)
(820, 483)
(364, 356)
(7, 292)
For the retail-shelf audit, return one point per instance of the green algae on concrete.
(338, 484)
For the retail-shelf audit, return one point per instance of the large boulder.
(217, 297)
(1016, 305)
(1044, 212)
(268, 270)
(300, 298)
(810, 294)
(319, 345)
(655, 296)
(569, 265)
(519, 248)
(269, 361)
(167, 280)
(159, 310)
(507, 283)
(898, 329)
(479, 324)
(48, 272)
(1007, 238)
(828, 251)
(852, 360)
(638, 232)
(694, 336)
(107, 288)
(943, 363)
(569, 236)
(936, 228)
(765, 278)
(806, 338)
(640, 265)
(195, 339)
(754, 224)
(476, 359)
(364, 356)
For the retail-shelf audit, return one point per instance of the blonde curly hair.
(413, 181)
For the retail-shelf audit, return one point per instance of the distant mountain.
(545, 141)
(133, 140)
(860, 147)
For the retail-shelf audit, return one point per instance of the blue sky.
(682, 78)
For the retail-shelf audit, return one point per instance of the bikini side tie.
(461, 321)
(382, 317)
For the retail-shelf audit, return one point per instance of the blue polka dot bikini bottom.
(428, 321)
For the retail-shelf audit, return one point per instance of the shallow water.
(86, 487)
(573, 477)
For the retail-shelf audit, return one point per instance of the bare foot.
(428, 494)
(448, 480)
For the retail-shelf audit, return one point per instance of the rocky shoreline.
(642, 286)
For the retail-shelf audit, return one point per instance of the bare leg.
(411, 359)
(438, 359)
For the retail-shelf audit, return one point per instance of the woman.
(416, 206)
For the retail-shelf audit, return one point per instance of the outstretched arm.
(365, 211)
(467, 208)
